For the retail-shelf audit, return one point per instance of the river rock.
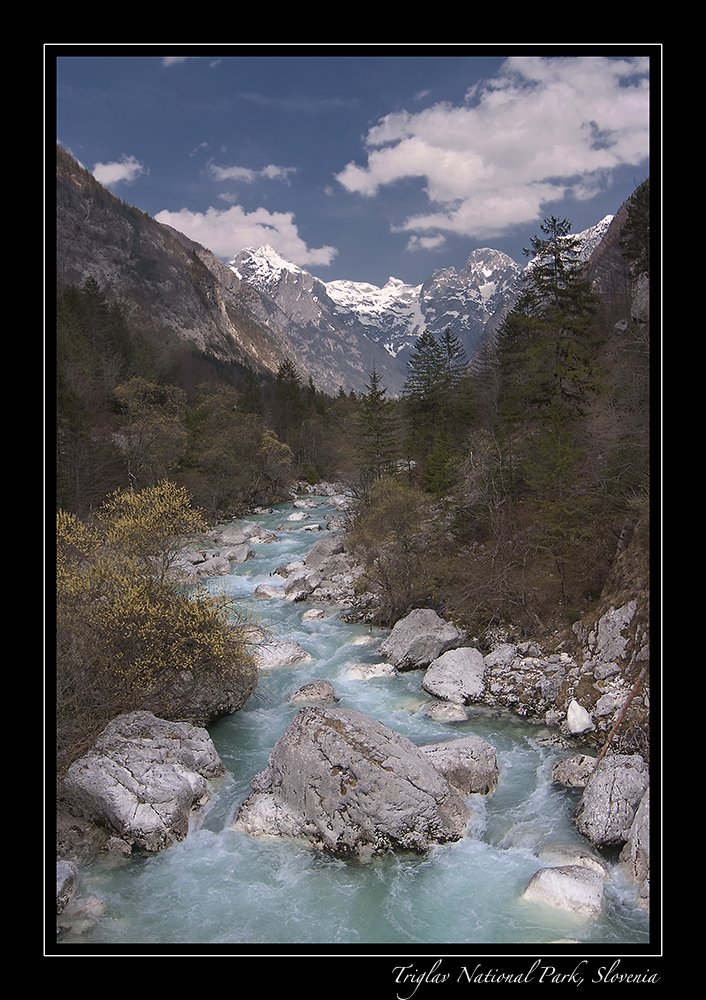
(560, 855)
(348, 784)
(456, 676)
(469, 764)
(323, 550)
(66, 883)
(445, 711)
(569, 887)
(574, 772)
(610, 800)
(419, 638)
(300, 584)
(279, 653)
(257, 535)
(364, 671)
(233, 534)
(264, 590)
(315, 691)
(143, 779)
(286, 569)
(339, 522)
(635, 856)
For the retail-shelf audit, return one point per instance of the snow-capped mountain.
(391, 315)
(342, 328)
(338, 340)
(467, 299)
(261, 307)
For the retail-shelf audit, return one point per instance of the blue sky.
(360, 162)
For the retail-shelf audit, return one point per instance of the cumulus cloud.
(226, 232)
(123, 171)
(541, 129)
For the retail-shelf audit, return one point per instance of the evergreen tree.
(455, 360)
(287, 405)
(545, 345)
(424, 391)
(548, 376)
(378, 427)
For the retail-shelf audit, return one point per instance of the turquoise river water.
(222, 887)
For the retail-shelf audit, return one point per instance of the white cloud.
(246, 175)
(123, 171)
(426, 242)
(544, 127)
(227, 232)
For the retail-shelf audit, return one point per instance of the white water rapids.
(222, 887)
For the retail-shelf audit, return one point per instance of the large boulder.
(323, 550)
(610, 799)
(419, 638)
(569, 887)
(456, 676)
(635, 856)
(143, 779)
(348, 784)
(469, 764)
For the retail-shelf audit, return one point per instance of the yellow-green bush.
(125, 626)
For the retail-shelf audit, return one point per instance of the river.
(222, 887)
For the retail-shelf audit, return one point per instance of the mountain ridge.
(260, 308)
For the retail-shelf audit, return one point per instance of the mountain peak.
(262, 262)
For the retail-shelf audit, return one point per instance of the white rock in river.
(279, 653)
(456, 676)
(570, 887)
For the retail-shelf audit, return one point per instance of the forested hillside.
(498, 490)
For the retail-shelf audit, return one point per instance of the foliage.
(396, 532)
(439, 404)
(125, 627)
(152, 435)
(229, 458)
(539, 448)
(378, 424)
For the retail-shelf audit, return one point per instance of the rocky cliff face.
(162, 279)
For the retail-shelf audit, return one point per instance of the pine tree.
(545, 345)
(378, 427)
(548, 376)
(424, 391)
(635, 237)
(287, 401)
(455, 360)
